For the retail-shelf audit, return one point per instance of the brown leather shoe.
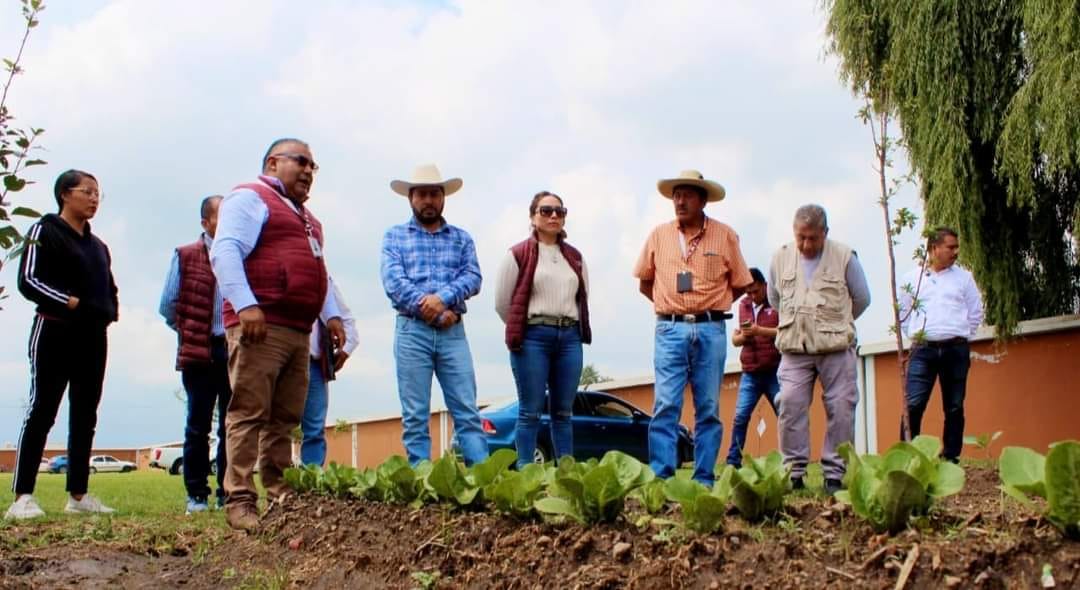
(242, 517)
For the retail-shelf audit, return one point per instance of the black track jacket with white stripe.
(58, 263)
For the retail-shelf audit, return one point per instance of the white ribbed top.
(554, 287)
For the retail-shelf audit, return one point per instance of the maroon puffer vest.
(288, 281)
(527, 253)
(759, 353)
(194, 305)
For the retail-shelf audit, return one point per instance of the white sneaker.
(23, 508)
(88, 504)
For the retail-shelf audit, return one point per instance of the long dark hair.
(68, 180)
(535, 204)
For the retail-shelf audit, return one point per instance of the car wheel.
(213, 467)
(93, 470)
(125, 469)
(541, 455)
(62, 469)
(177, 467)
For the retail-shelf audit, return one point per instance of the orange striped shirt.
(716, 263)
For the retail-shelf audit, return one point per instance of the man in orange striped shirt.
(692, 270)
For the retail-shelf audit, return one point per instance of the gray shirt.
(853, 276)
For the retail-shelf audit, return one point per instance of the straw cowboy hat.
(714, 191)
(426, 175)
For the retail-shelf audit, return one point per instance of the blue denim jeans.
(752, 386)
(207, 386)
(949, 364)
(694, 353)
(549, 361)
(420, 351)
(313, 423)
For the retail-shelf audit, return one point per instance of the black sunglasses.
(300, 159)
(548, 211)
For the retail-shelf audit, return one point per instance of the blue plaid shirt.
(416, 263)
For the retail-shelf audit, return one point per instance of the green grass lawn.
(149, 516)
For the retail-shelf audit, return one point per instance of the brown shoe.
(242, 517)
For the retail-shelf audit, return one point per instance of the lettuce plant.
(516, 492)
(886, 490)
(702, 509)
(1055, 478)
(759, 487)
(593, 492)
(651, 495)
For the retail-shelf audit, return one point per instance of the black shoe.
(797, 483)
(833, 485)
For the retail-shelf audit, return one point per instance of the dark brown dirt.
(974, 539)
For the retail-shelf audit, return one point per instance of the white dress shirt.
(950, 305)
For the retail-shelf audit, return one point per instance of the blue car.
(602, 422)
(58, 464)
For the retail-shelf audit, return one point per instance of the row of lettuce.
(885, 490)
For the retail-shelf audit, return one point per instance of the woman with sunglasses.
(66, 270)
(542, 296)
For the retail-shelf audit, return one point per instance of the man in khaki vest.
(819, 288)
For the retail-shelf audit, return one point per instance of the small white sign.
(761, 426)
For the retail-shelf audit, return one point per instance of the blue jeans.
(206, 385)
(695, 353)
(752, 386)
(949, 364)
(313, 423)
(549, 361)
(419, 351)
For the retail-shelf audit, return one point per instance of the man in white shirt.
(948, 313)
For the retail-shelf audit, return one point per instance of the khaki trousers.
(269, 387)
(797, 374)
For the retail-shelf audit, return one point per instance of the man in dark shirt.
(65, 270)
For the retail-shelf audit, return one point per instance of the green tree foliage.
(590, 376)
(16, 147)
(986, 96)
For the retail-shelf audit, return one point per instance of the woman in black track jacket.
(65, 270)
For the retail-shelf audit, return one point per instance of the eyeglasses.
(548, 211)
(301, 160)
(91, 193)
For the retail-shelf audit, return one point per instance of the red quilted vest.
(759, 352)
(194, 305)
(527, 253)
(288, 281)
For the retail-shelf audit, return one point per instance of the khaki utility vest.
(815, 318)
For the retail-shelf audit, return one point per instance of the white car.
(106, 463)
(43, 467)
(171, 459)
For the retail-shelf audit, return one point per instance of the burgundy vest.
(527, 254)
(194, 304)
(288, 281)
(759, 353)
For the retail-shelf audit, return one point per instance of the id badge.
(684, 282)
(316, 249)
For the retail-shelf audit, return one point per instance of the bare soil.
(974, 539)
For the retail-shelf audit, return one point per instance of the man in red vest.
(760, 359)
(191, 305)
(268, 260)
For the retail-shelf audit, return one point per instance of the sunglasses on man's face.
(548, 211)
(300, 159)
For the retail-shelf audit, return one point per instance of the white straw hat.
(426, 175)
(714, 191)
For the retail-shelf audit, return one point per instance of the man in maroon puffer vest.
(760, 359)
(268, 260)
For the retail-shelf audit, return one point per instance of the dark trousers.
(207, 386)
(62, 356)
(949, 364)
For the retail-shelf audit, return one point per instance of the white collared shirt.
(950, 305)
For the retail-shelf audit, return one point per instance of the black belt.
(944, 343)
(712, 315)
(553, 321)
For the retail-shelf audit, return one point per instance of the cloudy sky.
(169, 102)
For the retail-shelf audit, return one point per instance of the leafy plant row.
(585, 492)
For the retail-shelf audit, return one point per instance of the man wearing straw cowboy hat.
(692, 270)
(429, 268)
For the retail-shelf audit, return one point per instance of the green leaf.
(34, 162)
(898, 497)
(485, 472)
(705, 514)
(651, 496)
(929, 446)
(948, 480)
(1063, 487)
(683, 490)
(14, 183)
(559, 507)
(1023, 470)
(25, 212)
